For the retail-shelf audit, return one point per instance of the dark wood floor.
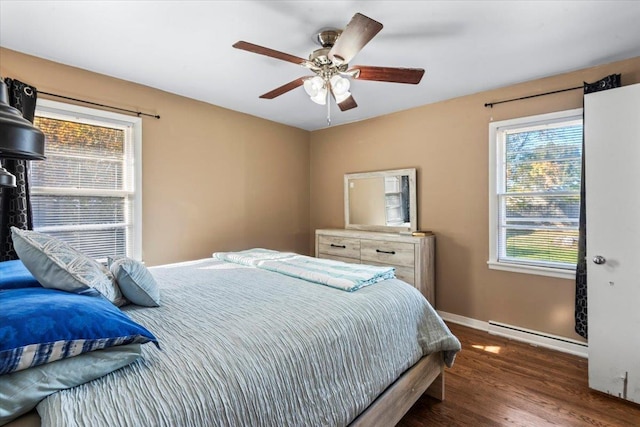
(499, 382)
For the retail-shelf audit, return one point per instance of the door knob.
(599, 259)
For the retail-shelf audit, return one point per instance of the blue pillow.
(40, 325)
(13, 274)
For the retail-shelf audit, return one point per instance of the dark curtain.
(15, 206)
(608, 82)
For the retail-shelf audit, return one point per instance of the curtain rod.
(491, 104)
(137, 113)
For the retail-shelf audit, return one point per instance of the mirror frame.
(413, 206)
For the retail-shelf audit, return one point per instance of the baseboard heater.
(537, 338)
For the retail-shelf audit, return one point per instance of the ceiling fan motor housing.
(320, 56)
(326, 37)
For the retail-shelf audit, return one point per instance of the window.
(396, 195)
(87, 192)
(534, 193)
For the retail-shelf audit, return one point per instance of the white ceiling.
(184, 47)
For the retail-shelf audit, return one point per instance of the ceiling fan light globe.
(310, 88)
(313, 86)
(340, 85)
(320, 97)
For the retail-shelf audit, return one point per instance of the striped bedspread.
(244, 346)
(336, 274)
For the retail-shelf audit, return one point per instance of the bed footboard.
(426, 376)
(388, 409)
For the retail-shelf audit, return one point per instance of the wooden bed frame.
(427, 375)
(388, 409)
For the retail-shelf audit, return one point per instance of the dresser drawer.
(406, 274)
(388, 253)
(339, 246)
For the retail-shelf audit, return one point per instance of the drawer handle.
(338, 246)
(386, 252)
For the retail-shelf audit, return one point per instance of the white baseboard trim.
(535, 338)
(465, 321)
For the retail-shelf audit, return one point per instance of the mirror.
(381, 201)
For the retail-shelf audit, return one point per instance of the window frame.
(132, 126)
(496, 165)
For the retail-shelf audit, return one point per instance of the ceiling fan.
(330, 63)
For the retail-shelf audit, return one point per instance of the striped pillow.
(39, 325)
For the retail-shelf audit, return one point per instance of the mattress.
(243, 346)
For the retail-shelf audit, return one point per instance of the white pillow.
(57, 265)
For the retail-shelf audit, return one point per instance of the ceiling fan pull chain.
(328, 104)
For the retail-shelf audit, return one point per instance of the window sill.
(528, 269)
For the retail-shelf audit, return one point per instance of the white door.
(612, 155)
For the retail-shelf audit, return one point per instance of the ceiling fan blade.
(387, 74)
(345, 105)
(284, 88)
(261, 50)
(358, 32)
(348, 104)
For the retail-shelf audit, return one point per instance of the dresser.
(412, 256)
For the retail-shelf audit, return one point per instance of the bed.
(241, 346)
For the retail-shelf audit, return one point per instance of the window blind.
(83, 193)
(539, 195)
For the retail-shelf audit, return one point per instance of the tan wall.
(448, 143)
(213, 179)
